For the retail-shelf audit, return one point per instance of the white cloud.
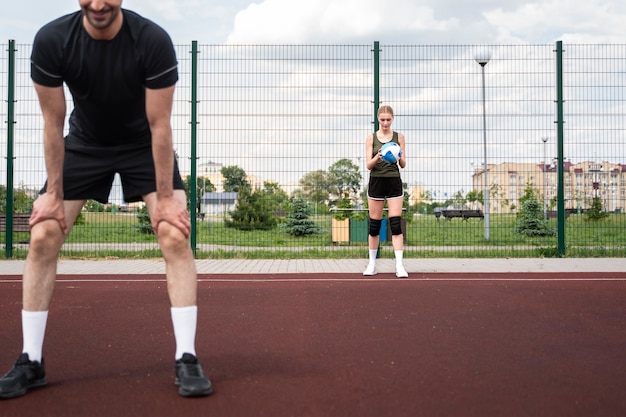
(584, 22)
(289, 21)
(356, 21)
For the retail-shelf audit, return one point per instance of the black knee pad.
(395, 223)
(375, 227)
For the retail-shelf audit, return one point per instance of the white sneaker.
(401, 272)
(371, 270)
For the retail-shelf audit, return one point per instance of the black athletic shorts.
(88, 172)
(381, 188)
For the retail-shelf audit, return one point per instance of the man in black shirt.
(121, 70)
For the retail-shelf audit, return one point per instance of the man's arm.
(159, 111)
(53, 108)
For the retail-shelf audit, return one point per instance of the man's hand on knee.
(170, 211)
(48, 207)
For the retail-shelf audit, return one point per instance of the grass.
(425, 237)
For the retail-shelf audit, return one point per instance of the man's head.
(102, 18)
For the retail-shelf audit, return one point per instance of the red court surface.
(333, 345)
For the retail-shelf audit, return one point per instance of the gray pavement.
(284, 266)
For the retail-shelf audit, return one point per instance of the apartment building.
(582, 182)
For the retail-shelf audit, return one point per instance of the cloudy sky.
(358, 22)
(354, 21)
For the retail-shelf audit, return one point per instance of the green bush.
(596, 212)
(253, 212)
(143, 221)
(530, 221)
(298, 222)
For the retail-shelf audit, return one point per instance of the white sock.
(373, 253)
(185, 320)
(398, 254)
(33, 331)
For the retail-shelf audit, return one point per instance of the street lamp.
(544, 168)
(473, 183)
(482, 59)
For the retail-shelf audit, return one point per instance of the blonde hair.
(385, 109)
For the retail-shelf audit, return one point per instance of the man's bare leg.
(180, 269)
(38, 281)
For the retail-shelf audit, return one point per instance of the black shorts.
(381, 188)
(88, 172)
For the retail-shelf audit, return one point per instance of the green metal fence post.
(376, 101)
(8, 236)
(559, 139)
(376, 82)
(193, 198)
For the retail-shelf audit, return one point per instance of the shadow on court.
(333, 345)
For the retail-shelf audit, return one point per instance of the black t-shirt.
(107, 78)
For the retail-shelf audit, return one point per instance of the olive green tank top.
(382, 168)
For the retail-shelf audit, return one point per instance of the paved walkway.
(281, 266)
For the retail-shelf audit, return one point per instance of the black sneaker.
(190, 378)
(24, 375)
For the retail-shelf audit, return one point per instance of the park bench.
(20, 223)
(462, 214)
(552, 214)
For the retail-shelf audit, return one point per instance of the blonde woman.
(385, 184)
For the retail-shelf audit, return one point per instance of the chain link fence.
(523, 155)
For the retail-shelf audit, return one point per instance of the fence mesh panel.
(278, 123)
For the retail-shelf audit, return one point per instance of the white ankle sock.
(373, 253)
(33, 331)
(398, 254)
(185, 320)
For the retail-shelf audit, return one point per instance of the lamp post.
(482, 59)
(545, 167)
(473, 183)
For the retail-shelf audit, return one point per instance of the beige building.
(582, 182)
(416, 194)
(212, 172)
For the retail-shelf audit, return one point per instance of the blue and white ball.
(391, 152)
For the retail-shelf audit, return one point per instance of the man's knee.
(395, 224)
(170, 236)
(46, 234)
(374, 225)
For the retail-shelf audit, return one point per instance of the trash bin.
(340, 230)
(358, 230)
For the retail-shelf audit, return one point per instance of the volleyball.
(391, 152)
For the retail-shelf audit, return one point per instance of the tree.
(530, 221)
(459, 199)
(143, 221)
(94, 206)
(203, 185)
(298, 221)
(480, 197)
(253, 211)
(473, 197)
(315, 186)
(276, 197)
(596, 211)
(344, 179)
(343, 203)
(234, 178)
(22, 202)
(529, 194)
